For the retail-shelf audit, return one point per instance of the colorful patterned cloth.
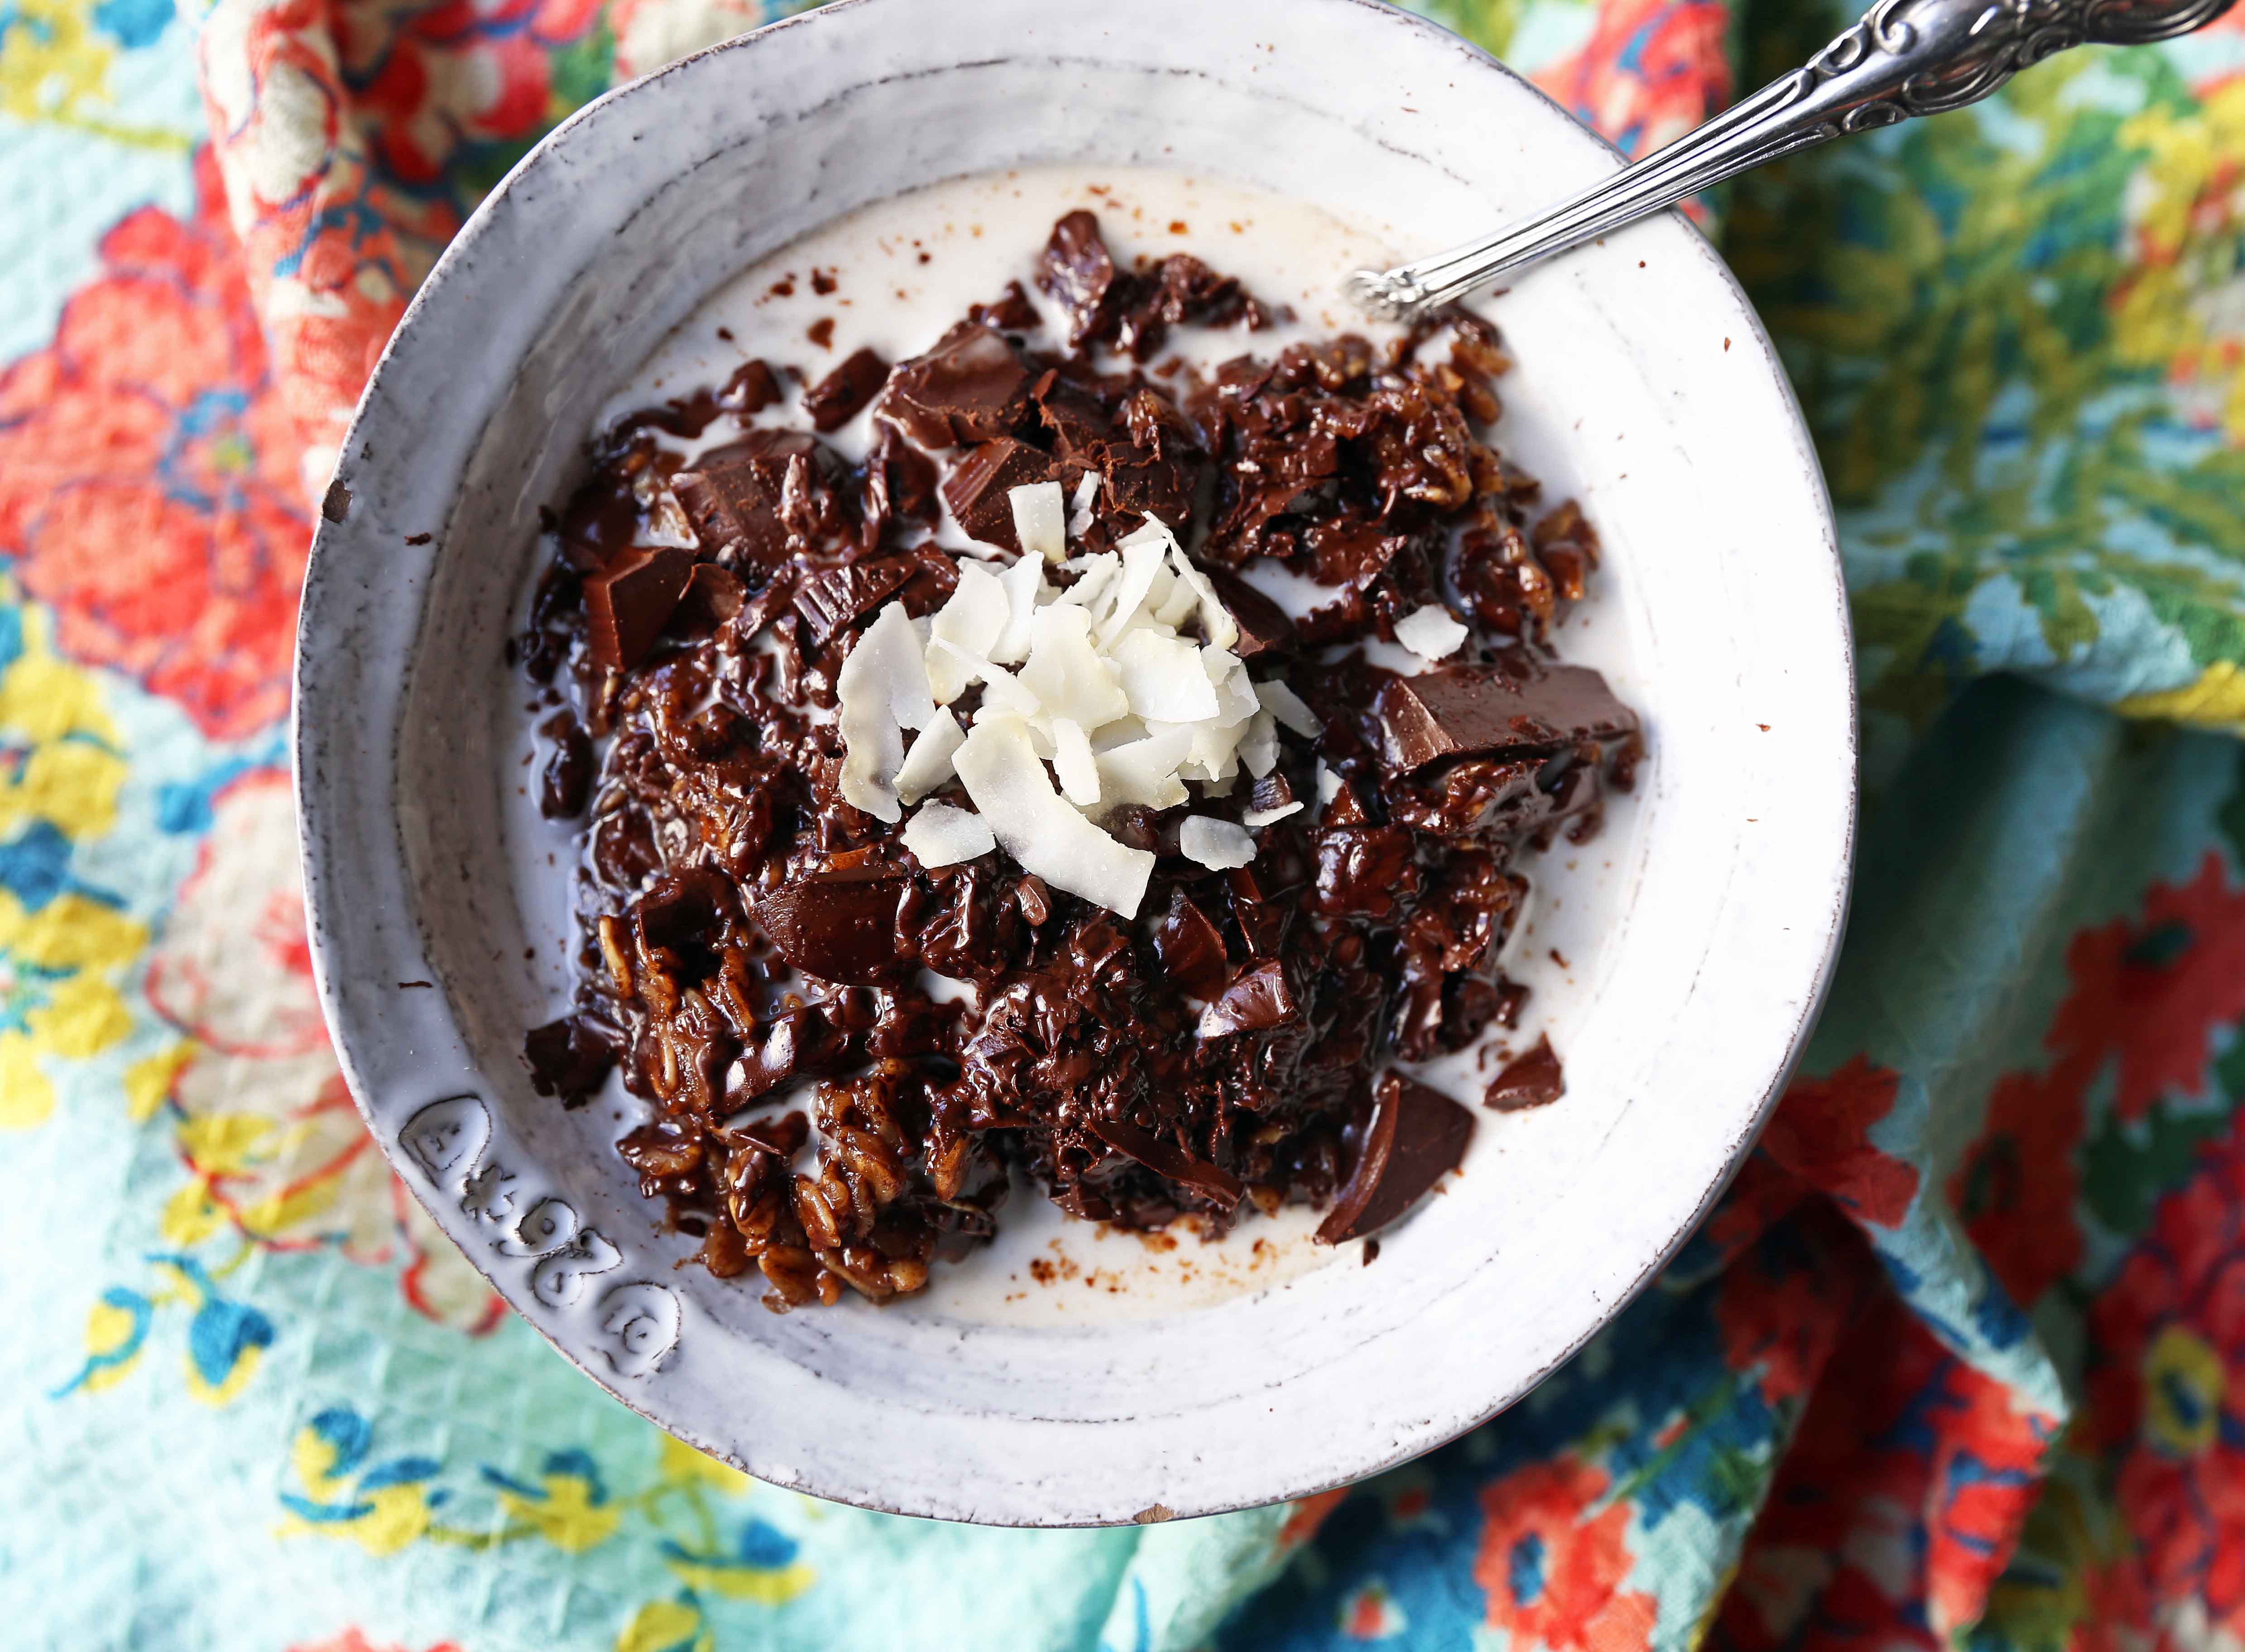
(1960, 1358)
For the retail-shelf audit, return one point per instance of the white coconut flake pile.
(1123, 681)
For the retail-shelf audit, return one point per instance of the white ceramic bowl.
(1640, 354)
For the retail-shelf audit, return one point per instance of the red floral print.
(2167, 1389)
(2016, 1184)
(1899, 1503)
(354, 1640)
(1783, 1304)
(1821, 1132)
(2155, 991)
(1650, 71)
(149, 478)
(1553, 1569)
(427, 79)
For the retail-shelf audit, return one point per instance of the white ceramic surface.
(1639, 363)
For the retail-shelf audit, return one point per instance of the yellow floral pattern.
(63, 948)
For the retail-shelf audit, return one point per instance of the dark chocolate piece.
(1529, 1080)
(838, 925)
(569, 1058)
(626, 606)
(1012, 311)
(739, 497)
(1256, 1001)
(1264, 627)
(1411, 1139)
(1191, 947)
(831, 598)
(1467, 708)
(567, 782)
(713, 595)
(976, 490)
(1273, 791)
(967, 389)
(752, 388)
(1079, 271)
(1166, 1158)
(842, 395)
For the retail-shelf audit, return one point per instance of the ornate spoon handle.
(1905, 58)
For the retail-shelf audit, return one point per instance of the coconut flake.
(1235, 692)
(1163, 676)
(1000, 688)
(1079, 513)
(1024, 580)
(1218, 628)
(1284, 705)
(1256, 819)
(1258, 747)
(1093, 574)
(1145, 771)
(881, 688)
(927, 766)
(1040, 520)
(1430, 632)
(1067, 673)
(1072, 762)
(1039, 828)
(1219, 845)
(943, 836)
(1143, 554)
(975, 616)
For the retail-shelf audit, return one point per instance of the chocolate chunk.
(1259, 1001)
(569, 1058)
(967, 389)
(1531, 1080)
(976, 490)
(1273, 791)
(1364, 871)
(1142, 486)
(739, 497)
(686, 914)
(599, 522)
(1166, 1158)
(803, 1041)
(751, 390)
(1081, 431)
(839, 396)
(1012, 311)
(837, 925)
(626, 606)
(1079, 271)
(1191, 947)
(568, 778)
(898, 485)
(831, 598)
(1264, 627)
(713, 595)
(1413, 1136)
(1465, 709)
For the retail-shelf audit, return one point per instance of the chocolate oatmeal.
(916, 868)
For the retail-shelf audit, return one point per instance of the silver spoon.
(1905, 58)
